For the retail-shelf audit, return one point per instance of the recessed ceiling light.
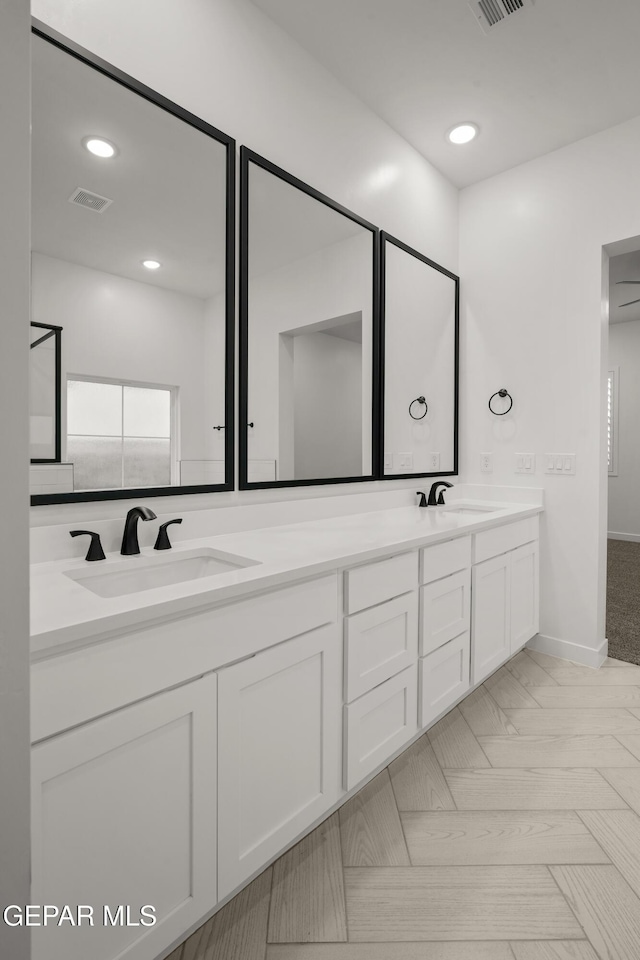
(100, 147)
(151, 264)
(463, 132)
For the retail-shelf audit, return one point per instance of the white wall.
(419, 361)
(624, 489)
(121, 329)
(214, 375)
(14, 443)
(227, 62)
(293, 297)
(533, 321)
(327, 403)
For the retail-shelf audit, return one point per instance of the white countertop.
(64, 613)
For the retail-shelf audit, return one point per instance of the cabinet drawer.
(444, 558)
(91, 681)
(376, 582)
(379, 643)
(378, 724)
(491, 543)
(446, 610)
(444, 677)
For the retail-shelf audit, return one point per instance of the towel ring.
(426, 408)
(501, 393)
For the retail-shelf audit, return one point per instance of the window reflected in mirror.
(308, 333)
(420, 331)
(130, 257)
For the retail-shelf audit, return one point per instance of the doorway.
(623, 454)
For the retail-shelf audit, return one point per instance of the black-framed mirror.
(309, 334)
(133, 227)
(419, 363)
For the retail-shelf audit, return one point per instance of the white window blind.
(612, 422)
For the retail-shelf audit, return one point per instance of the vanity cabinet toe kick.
(245, 744)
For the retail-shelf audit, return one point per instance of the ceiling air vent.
(90, 201)
(491, 13)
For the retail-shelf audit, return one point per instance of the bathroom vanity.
(195, 711)
(185, 735)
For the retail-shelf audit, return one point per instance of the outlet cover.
(486, 463)
(434, 461)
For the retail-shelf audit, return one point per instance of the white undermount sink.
(471, 509)
(126, 575)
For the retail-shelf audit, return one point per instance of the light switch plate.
(388, 461)
(404, 461)
(525, 463)
(560, 464)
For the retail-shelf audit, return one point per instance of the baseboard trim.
(634, 537)
(567, 650)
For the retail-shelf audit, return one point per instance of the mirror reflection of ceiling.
(287, 224)
(626, 266)
(348, 327)
(167, 181)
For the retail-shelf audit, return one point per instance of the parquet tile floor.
(509, 831)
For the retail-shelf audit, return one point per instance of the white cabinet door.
(444, 677)
(490, 631)
(446, 606)
(278, 749)
(525, 577)
(123, 813)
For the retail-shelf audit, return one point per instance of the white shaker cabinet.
(278, 749)
(525, 585)
(381, 648)
(491, 598)
(504, 607)
(175, 799)
(444, 678)
(379, 723)
(445, 606)
(123, 813)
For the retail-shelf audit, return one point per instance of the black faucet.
(162, 540)
(432, 501)
(95, 551)
(423, 498)
(130, 545)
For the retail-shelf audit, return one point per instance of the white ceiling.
(167, 182)
(624, 267)
(545, 77)
(287, 224)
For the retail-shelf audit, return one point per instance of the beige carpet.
(623, 600)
